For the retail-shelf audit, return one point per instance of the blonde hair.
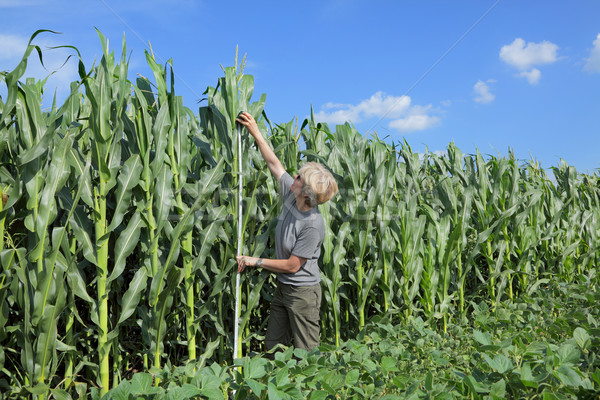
(319, 183)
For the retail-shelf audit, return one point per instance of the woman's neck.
(301, 204)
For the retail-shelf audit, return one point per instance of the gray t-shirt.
(298, 233)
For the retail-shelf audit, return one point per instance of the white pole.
(239, 250)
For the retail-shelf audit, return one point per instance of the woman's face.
(296, 187)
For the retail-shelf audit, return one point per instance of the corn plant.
(118, 228)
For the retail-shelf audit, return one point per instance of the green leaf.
(160, 130)
(318, 395)
(129, 176)
(255, 368)
(132, 296)
(274, 393)
(282, 377)
(256, 387)
(40, 148)
(252, 301)
(126, 243)
(499, 363)
(39, 389)
(298, 352)
(526, 376)
(568, 353)
(60, 394)
(369, 366)
(498, 390)
(388, 364)
(429, 382)
(596, 376)
(476, 386)
(482, 338)
(77, 283)
(229, 91)
(186, 391)
(142, 384)
(582, 338)
(47, 333)
(549, 395)
(121, 392)
(209, 234)
(212, 394)
(335, 381)
(57, 174)
(163, 195)
(82, 226)
(352, 377)
(568, 376)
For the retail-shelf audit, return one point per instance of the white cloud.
(525, 56)
(532, 76)
(592, 63)
(378, 105)
(412, 123)
(482, 92)
(338, 117)
(398, 109)
(381, 105)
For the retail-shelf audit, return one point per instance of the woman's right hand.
(246, 119)
(245, 261)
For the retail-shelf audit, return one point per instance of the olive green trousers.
(294, 317)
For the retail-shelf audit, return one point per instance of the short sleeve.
(285, 181)
(308, 243)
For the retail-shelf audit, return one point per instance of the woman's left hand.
(246, 119)
(245, 261)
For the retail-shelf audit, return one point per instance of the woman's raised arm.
(271, 159)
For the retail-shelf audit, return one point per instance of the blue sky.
(486, 74)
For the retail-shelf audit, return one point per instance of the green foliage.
(538, 347)
(117, 253)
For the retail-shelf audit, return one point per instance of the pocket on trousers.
(306, 302)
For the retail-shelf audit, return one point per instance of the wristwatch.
(259, 262)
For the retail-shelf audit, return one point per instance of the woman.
(294, 317)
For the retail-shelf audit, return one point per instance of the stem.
(40, 261)
(507, 263)
(461, 284)
(361, 309)
(359, 280)
(187, 245)
(220, 306)
(237, 347)
(69, 324)
(336, 320)
(100, 230)
(386, 300)
(102, 288)
(491, 288)
(117, 358)
(189, 297)
(2, 221)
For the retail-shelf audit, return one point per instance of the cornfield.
(118, 227)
